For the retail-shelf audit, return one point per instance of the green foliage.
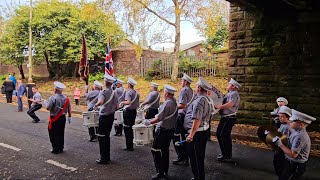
(219, 40)
(57, 26)
(186, 64)
(154, 71)
(98, 77)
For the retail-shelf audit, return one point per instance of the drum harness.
(149, 105)
(204, 126)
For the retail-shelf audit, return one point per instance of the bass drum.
(217, 98)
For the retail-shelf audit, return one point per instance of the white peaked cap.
(154, 84)
(285, 110)
(187, 78)
(299, 116)
(204, 84)
(59, 85)
(132, 81)
(282, 99)
(120, 81)
(235, 83)
(109, 78)
(169, 89)
(97, 83)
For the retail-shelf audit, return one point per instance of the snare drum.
(118, 117)
(90, 118)
(139, 117)
(142, 135)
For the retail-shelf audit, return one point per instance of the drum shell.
(118, 117)
(90, 119)
(142, 134)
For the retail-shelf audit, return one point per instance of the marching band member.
(196, 123)
(185, 97)
(121, 92)
(108, 102)
(166, 120)
(59, 106)
(281, 101)
(297, 152)
(92, 99)
(284, 115)
(130, 113)
(153, 101)
(231, 102)
(35, 105)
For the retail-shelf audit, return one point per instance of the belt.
(203, 128)
(229, 115)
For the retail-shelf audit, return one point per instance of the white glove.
(266, 132)
(277, 141)
(146, 122)
(69, 120)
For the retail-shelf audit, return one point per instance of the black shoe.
(116, 134)
(159, 176)
(180, 161)
(100, 161)
(34, 121)
(127, 149)
(92, 140)
(220, 157)
(55, 151)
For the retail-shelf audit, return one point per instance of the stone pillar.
(274, 54)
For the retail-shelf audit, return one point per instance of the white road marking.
(9, 147)
(63, 166)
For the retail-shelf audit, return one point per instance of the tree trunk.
(21, 71)
(175, 69)
(75, 72)
(49, 67)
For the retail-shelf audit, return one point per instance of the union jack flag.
(108, 62)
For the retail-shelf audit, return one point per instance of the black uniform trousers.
(224, 135)
(129, 117)
(151, 113)
(56, 133)
(32, 110)
(292, 170)
(105, 126)
(92, 133)
(160, 149)
(180, 135)
(278, 160)
(196, 152)
(9, 96)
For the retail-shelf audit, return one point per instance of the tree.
(57, 26)
(211, 20)
(170, 13)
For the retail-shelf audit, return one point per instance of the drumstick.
(179, 143)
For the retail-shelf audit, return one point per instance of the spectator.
(76, 96)
(8, 88)
(21, 91)
(13, 79)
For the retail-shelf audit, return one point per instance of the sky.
(188, 31)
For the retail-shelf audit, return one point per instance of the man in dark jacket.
(8, 88)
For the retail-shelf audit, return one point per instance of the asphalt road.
(24, 154)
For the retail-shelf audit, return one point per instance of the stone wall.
(275, 54)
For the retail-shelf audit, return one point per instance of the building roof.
(184, 47)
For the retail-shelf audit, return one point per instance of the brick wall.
(126, 62)
(275, 54)
(38, 70)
